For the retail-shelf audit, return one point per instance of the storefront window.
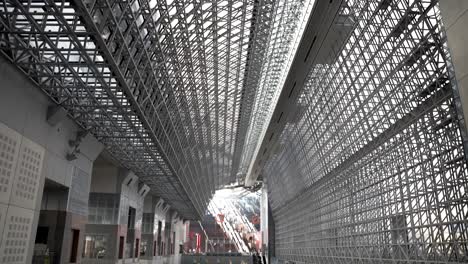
(143, 247)
(95, 246)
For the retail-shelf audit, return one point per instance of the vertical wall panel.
(9, 148)
(16, 235)
(79, 192)
(28, 175)
(3, 212)
(21, 162)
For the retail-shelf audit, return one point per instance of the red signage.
(220, 218)
(255, 220)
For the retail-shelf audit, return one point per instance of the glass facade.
(103, 208)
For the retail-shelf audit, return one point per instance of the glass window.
(95, 246)
(131, 218)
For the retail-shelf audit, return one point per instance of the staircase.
(228, 227)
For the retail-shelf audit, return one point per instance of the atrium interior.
(233, 131)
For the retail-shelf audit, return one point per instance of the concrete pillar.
(264, 219)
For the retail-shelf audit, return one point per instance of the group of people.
(257, 258)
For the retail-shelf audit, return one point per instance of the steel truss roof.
(370, 166)
(168, 86)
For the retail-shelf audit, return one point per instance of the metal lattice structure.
(369, 165)
(290, 18)
(167, 86)
(372, 168)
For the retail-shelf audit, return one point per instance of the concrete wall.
(54, 199)
(106, 180)
(31, 150)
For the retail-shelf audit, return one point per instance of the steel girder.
(371, 167)
(167, 86)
